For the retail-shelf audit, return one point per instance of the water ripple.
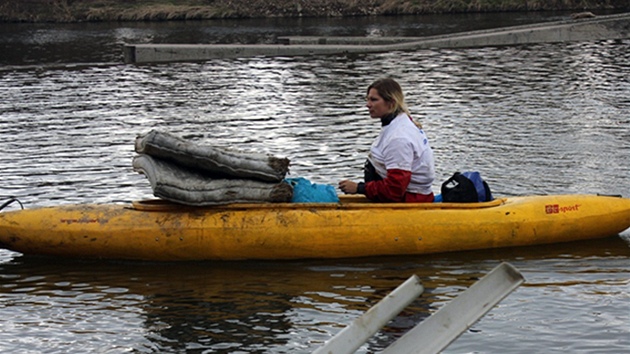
(535, 119)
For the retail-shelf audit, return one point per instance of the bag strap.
(454, 177)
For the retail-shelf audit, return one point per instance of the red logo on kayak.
(552, 209)
(557, 209)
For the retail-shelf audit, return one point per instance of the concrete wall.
(599, 28)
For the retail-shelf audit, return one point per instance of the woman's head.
(385, 97)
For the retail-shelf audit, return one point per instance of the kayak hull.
(161, 231)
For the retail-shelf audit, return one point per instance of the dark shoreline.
(66, 11)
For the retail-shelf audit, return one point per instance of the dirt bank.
(162, 10)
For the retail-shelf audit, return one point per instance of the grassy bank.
(162, 10)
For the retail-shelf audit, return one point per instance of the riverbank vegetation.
(164, 10)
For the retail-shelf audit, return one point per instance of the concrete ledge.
(600, 28)
(302, 40)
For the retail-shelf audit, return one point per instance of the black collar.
(388, 119)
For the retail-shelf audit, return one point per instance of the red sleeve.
(390, 189)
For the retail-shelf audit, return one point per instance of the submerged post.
(436, 332)
(361, 329)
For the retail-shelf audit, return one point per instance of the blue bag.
(306, 192)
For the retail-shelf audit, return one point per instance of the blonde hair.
(391, 92)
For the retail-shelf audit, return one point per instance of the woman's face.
(377, 106)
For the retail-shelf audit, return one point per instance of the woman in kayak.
(400, 166)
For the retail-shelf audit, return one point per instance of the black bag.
(467, 187)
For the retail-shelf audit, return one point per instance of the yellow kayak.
(162, 231)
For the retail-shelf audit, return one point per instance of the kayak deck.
(345, 202)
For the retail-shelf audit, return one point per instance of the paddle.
(443, 327)
(358, 332)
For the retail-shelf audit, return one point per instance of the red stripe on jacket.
(393, 188)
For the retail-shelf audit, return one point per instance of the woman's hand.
(348, 186)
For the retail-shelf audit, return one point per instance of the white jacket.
(402, 145)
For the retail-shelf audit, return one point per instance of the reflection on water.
(282, 308)
(287, 307)
(534, 120)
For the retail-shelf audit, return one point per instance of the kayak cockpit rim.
(345, 202)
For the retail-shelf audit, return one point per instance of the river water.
(535, 119)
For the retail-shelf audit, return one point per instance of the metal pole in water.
(443, 327)
(361, 329)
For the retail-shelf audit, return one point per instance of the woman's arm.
(390, 189)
